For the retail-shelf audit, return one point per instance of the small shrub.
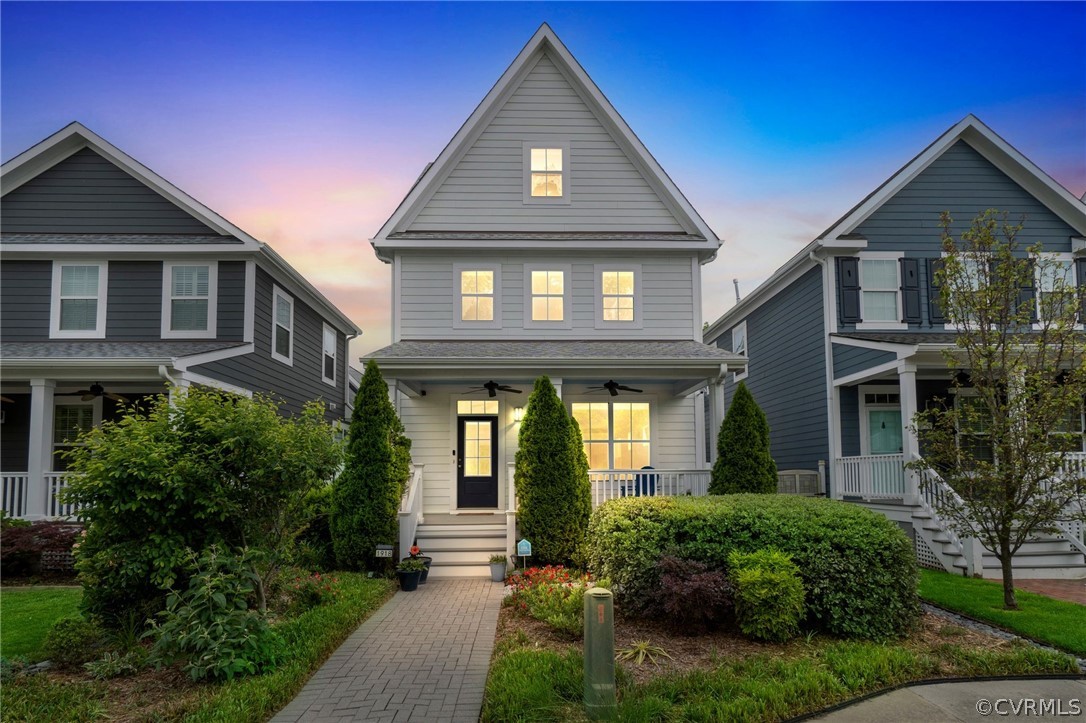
(115, 665)
(640, 651)
(22, 544)
(73, 641)
(308, 590)
(210, 627)
(692, 597)
(768, 594)
(313, 548)
(12, 668)
(554, 596)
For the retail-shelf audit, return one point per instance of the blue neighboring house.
(115, 283)
(844, 340)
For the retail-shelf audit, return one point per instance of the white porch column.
(910, 445)
(393, 395)
(40, 447)
(557, 382)
(716, 413)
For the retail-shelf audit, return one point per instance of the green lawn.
(1058, 623)
(27, 613)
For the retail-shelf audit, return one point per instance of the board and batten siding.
(295, 384)
(25, 298)
(849, 359)
(786, 340)
(485, 189)
(427, 287)
(86, 193)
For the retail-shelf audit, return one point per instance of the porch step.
(459, 570)
(462, 549)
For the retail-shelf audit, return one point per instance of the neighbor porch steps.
(461, 549)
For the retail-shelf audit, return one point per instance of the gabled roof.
(75, 137)
(545, 41)
(1001, 154)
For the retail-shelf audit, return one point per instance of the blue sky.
(305, 123)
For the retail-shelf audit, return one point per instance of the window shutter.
(910, 291)
(1080, 279)
(935, 309)
(1026, 293)
(848, 273)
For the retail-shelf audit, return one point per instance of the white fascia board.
(544, 38)
(118, 250)
(866, 374)
(668, 369)
(902, 350)
(489, 244)
(74, 137)
(190, 378)
(184, 362)
(301, 287)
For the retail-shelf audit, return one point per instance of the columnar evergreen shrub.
(858, 568)
(743, 462)
(768, 594)
(366, 495)
(552, 479)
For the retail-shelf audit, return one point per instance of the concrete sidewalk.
(971, 701)
(422, 657)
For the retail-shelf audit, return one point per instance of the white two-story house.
(544, 240)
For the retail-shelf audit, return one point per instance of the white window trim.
(66, 401)
(1075, 281)
(740, 376)
(950, 326)
(99, 331)
(212, 299)
(325, 328)
(567, 296)
(648, 398)
(277, 291)
(567, 186)
(638, 295)
(864, 325)
(496, 322)
(865, 431)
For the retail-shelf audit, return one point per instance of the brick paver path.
(1069, 590)
(421, 657)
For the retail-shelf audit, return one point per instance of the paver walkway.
(422, 657)
(1069, 590)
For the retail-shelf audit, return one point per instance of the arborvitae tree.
(366, 496)
(551, 478)
(743, 462)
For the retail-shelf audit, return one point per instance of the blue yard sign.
(524, 549)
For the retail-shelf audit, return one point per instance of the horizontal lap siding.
(485, 189)
(134, 305)
(86, 193)
(25, 300)
(259, 372)
(851, 359)
(787, 372)
(231, 303)
(427, 298)
(673, 440)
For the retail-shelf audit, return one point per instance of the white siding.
(484, 191)
(674, 437)
(426, 288)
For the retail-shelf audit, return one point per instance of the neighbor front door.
(477, 462)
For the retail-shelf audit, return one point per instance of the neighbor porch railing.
(13, 488)
(15, 495)
(872, 476)
(615, 483)
(410, 514)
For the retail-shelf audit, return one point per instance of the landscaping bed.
(169, 694)
(536, 672)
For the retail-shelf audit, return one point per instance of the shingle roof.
(544, 236)
(576, 350)
(936, 337)
(116, 238)
(92, 350)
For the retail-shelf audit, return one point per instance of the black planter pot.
(425, 561)
(409, 580)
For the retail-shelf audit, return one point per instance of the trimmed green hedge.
(858, 569)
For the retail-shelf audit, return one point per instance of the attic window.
(546, 172)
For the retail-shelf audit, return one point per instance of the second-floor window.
(328, 360)
(282, 326)
(739, 346)
(548, 295)
(79, 300)
(546, 172)
(1055, 279)
(189, 292)
(477, 295)
(618, 295)
(879, 284)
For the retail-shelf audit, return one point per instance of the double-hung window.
(282, 326)
(974, 425)
(617, 435)
(546, 172)
(328, 358)
(79, 300)
(477, 296)
(618, 296)
(1056, 287)
(880, 289)
(548, 296)
(739, 346)
(189, 294)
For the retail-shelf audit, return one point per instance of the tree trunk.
(1005, 557)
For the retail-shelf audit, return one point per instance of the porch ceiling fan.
(96, 390)
(613, 388)
(492, 388)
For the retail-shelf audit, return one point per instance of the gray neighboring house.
(113, 284)
(844, 340)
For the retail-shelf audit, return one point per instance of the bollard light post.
(599, 654)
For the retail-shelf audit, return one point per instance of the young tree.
(203, 468)
(743, 462)
(1018, 391)
(366, 496)
(551, 478)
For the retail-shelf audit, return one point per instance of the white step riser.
(480, 557)
(460, 571)
(430, 545)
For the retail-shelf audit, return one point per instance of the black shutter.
(910, 291)
(1026, 292)
(935, 309)
(848, 273)
(1080, 279)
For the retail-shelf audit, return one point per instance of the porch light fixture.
(518, 414)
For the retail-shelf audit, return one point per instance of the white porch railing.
(615, 483)
(871, 476)
(410, 514)
(13, 488)
(15, 494)
(55, 482)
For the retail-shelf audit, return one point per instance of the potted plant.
(409, 571)
(416, 554)
(497, 568)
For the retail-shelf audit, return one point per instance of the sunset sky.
(306, 123)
